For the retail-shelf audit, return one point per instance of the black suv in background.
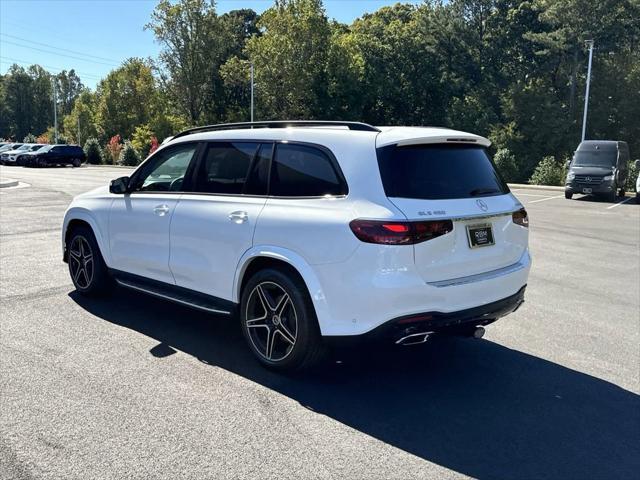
(54, 155)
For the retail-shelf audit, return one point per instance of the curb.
(8, 182)
(536, 187)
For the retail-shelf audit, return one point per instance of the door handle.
(161, 210)
(238, 216)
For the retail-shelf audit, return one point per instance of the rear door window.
(225, 167)
(439, 172)
(304, 171)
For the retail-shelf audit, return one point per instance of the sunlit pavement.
(132, 387)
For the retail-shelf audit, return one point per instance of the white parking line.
(533, 195)
(545, 199)
(620, 203)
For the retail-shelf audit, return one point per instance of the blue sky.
(94, 36)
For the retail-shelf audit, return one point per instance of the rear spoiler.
(403, 136)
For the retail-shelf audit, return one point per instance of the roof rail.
(364, 127)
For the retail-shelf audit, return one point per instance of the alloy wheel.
(271, 321)
(81, 262)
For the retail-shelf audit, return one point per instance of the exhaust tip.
(478, 332)
(414, 339)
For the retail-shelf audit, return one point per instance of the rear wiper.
(482, 191)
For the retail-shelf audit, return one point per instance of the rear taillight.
(399, 233)
(521, 218)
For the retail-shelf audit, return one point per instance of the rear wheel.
(88, 271)
(279, 321)
(76, 162)
(568, 195)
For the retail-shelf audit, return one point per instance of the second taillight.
(399, 233)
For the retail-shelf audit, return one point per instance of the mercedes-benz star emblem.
(482, 205)
(588, 179)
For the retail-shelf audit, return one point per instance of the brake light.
(521, 218)
(399, 233)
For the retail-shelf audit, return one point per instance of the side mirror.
(119, 185)
(638, 164)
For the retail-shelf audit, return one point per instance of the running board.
(176, 294)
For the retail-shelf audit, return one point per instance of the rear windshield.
(439, 172)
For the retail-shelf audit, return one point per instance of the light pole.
(251, 70)
(586, 95)
(55, 110)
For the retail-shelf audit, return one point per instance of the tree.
(141, 139)
(129, 156)
(82, 119)
(127, 98)
(113, 149)
(68, 87)
(290, 60)
(190, 56)
(30, 138)
(92, 151)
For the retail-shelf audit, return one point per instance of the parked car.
(24, 159)
(311, 235)
(56, 155)
(8, 147)
(8, 157)
(598, 167)
(11, 157)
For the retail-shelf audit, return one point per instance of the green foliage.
(630, 184)
(30, 138)
(129, 156)
(506, 165)
(141, 139)
(92, 151)
(548, 172)
(127, 98)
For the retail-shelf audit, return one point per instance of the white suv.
(311, 232)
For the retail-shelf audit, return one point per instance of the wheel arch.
(79, 217)
(262, 257)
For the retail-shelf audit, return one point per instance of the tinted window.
(439, 172)
(303, 171)
(225, 167)
(166, 170)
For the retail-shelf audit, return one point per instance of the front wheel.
(88, 271)
(568, 195)
(279, 321)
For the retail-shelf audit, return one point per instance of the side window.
(225, 166)
(166, 171)
(303, 171)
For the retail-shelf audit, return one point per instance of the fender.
(296, 261)
(80, 213)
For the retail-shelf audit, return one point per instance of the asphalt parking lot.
(132, 387)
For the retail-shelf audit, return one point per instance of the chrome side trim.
(172, 299)
(479, 277)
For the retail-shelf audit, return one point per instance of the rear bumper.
(460, 322)
(361, 300)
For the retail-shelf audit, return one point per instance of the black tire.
(75, 163)
(622, 193)
(296, 320)
(89, 273)
(612, 196)
(568, 195)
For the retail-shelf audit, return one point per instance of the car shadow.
(472, 406)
